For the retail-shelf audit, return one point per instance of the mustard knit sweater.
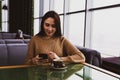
(61, 46)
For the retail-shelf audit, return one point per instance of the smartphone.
(43, 56)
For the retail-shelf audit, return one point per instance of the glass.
(36, 8)
(5, 27)
(76, 5)
(76, 28)
(36, 26)
(45, 72)
(46, 6)
(4, 16)
(41, 72)
(58, 6)
(100, 3)
(61, 19)
(106, 30)
(97, 75)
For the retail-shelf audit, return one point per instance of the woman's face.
(49, 27)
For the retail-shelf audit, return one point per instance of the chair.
(92, 56)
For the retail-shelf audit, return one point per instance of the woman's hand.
(53, 55)
(35, 60)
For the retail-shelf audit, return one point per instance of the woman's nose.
(50, 28)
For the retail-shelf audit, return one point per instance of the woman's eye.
(53, 26)
(47, 24)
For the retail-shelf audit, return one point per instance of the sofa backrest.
(92, 56)
(0, 36)
(2, 41)
(3, 55)
(13, 41)
(6, 35)
(16, 53)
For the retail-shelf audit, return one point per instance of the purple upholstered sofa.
(12, 51)
(12, 54)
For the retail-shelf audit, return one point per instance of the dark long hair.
(56, 18)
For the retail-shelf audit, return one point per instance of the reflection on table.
(45, 72)
(39, 72)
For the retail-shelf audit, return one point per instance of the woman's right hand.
(35, 60)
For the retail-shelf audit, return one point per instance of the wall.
(21, 15)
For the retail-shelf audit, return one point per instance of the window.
(58, 6)
(76, 28)
(46, 6)
(36, 8)
(103, 22)
(36, 26)
(100, 3)
(61, 19)
(5, 16)
(76, 5)
(106, 30)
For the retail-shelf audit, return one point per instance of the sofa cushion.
(111, 64)
(3, 55)
(0, 35)
(2, 41)
(16, 53)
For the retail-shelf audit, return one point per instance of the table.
(45, 72)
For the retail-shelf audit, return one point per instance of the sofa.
(13, 52)
(111, 64)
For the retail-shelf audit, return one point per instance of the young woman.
(50, 41)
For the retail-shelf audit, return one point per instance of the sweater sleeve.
(30, 52)
(73, 54)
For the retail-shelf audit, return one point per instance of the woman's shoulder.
(63, 38)
(35, 37)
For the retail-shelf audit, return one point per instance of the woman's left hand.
(53, 55)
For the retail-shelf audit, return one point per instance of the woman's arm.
(73, 54)
(30, 52)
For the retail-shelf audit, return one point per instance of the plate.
(62, 68)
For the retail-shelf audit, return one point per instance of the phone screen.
(43, 56)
